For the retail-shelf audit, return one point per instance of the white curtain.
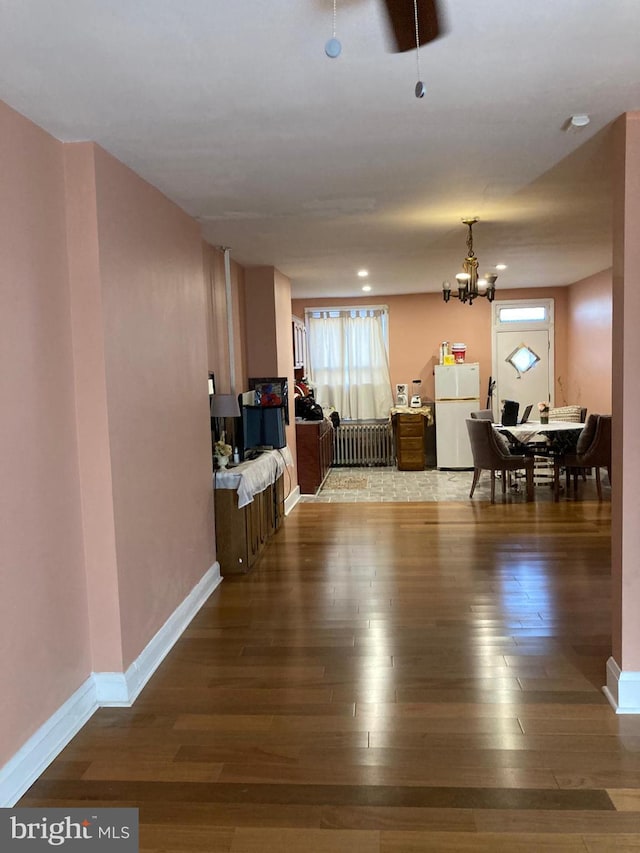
(348, 360)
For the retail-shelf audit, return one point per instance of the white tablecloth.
(252, 477)
(527, 432)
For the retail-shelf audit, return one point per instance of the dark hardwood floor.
(389, 678)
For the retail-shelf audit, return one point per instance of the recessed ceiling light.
(580, 120)
(367, 288)
(363, 273)
(501, 266)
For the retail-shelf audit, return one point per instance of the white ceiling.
(319, 166)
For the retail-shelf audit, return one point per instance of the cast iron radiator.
(364, 443)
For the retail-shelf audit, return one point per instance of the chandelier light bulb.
(470, 285)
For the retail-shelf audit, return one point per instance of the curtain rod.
(347, 308)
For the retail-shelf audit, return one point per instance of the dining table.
(530, 431)
(545, 441)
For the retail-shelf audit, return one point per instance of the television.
(262, 426)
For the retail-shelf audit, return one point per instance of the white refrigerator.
(457, 395)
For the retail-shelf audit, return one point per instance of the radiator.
(363, 444)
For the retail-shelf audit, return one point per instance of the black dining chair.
(491, 453)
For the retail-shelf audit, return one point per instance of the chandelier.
(469, 286)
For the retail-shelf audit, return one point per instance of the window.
(348, 360)
(523, 358)
(526, 314)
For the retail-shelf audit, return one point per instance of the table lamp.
(224, 406)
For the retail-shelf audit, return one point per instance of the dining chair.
(592, 451)
(559, 443)
(483, 415)
(490, 452)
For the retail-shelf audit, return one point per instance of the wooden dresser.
(410, 450)
(314, 440)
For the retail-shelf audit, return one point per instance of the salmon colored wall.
(625, 497)
(589, 343)
(419, 322)
(217, 359)
(260, 307)
(44, 631)
(284, 346)
(217, 322)
(92, 416)
(154, 305)
(239, 325)
(269, 338)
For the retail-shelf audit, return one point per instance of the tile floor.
(356, 485)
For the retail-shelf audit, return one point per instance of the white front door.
(523, 364)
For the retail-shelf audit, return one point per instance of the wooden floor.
(390, 678)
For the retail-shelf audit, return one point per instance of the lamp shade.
(224, 406)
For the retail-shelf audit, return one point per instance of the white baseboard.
(622, 689)
(22, 770)
(101, 689)
(292, 500)
(121, 689)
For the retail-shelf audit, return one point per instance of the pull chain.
(419, 90)
(333, 48)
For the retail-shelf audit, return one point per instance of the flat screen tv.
(262, 426)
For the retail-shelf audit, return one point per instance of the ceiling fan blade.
(402, 20)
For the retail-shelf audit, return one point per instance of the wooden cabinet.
(410, 450)
(314, 440)
(242, 533)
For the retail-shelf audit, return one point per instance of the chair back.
(483, 415)
(598, 453)
(486, 450)
(574, 414)
(510, 409)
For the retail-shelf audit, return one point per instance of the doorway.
(523, 353)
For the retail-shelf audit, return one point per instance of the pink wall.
(260, 307)
(106, 507)
(269, 343)
(217, 320)
(419, 322)
(625, 530)
(92, 416)
(589, 343)
(217, 357)
(154, 315)
(44, 632)
(284, 346)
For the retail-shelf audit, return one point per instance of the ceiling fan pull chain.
(333, 48)
(419, 90)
